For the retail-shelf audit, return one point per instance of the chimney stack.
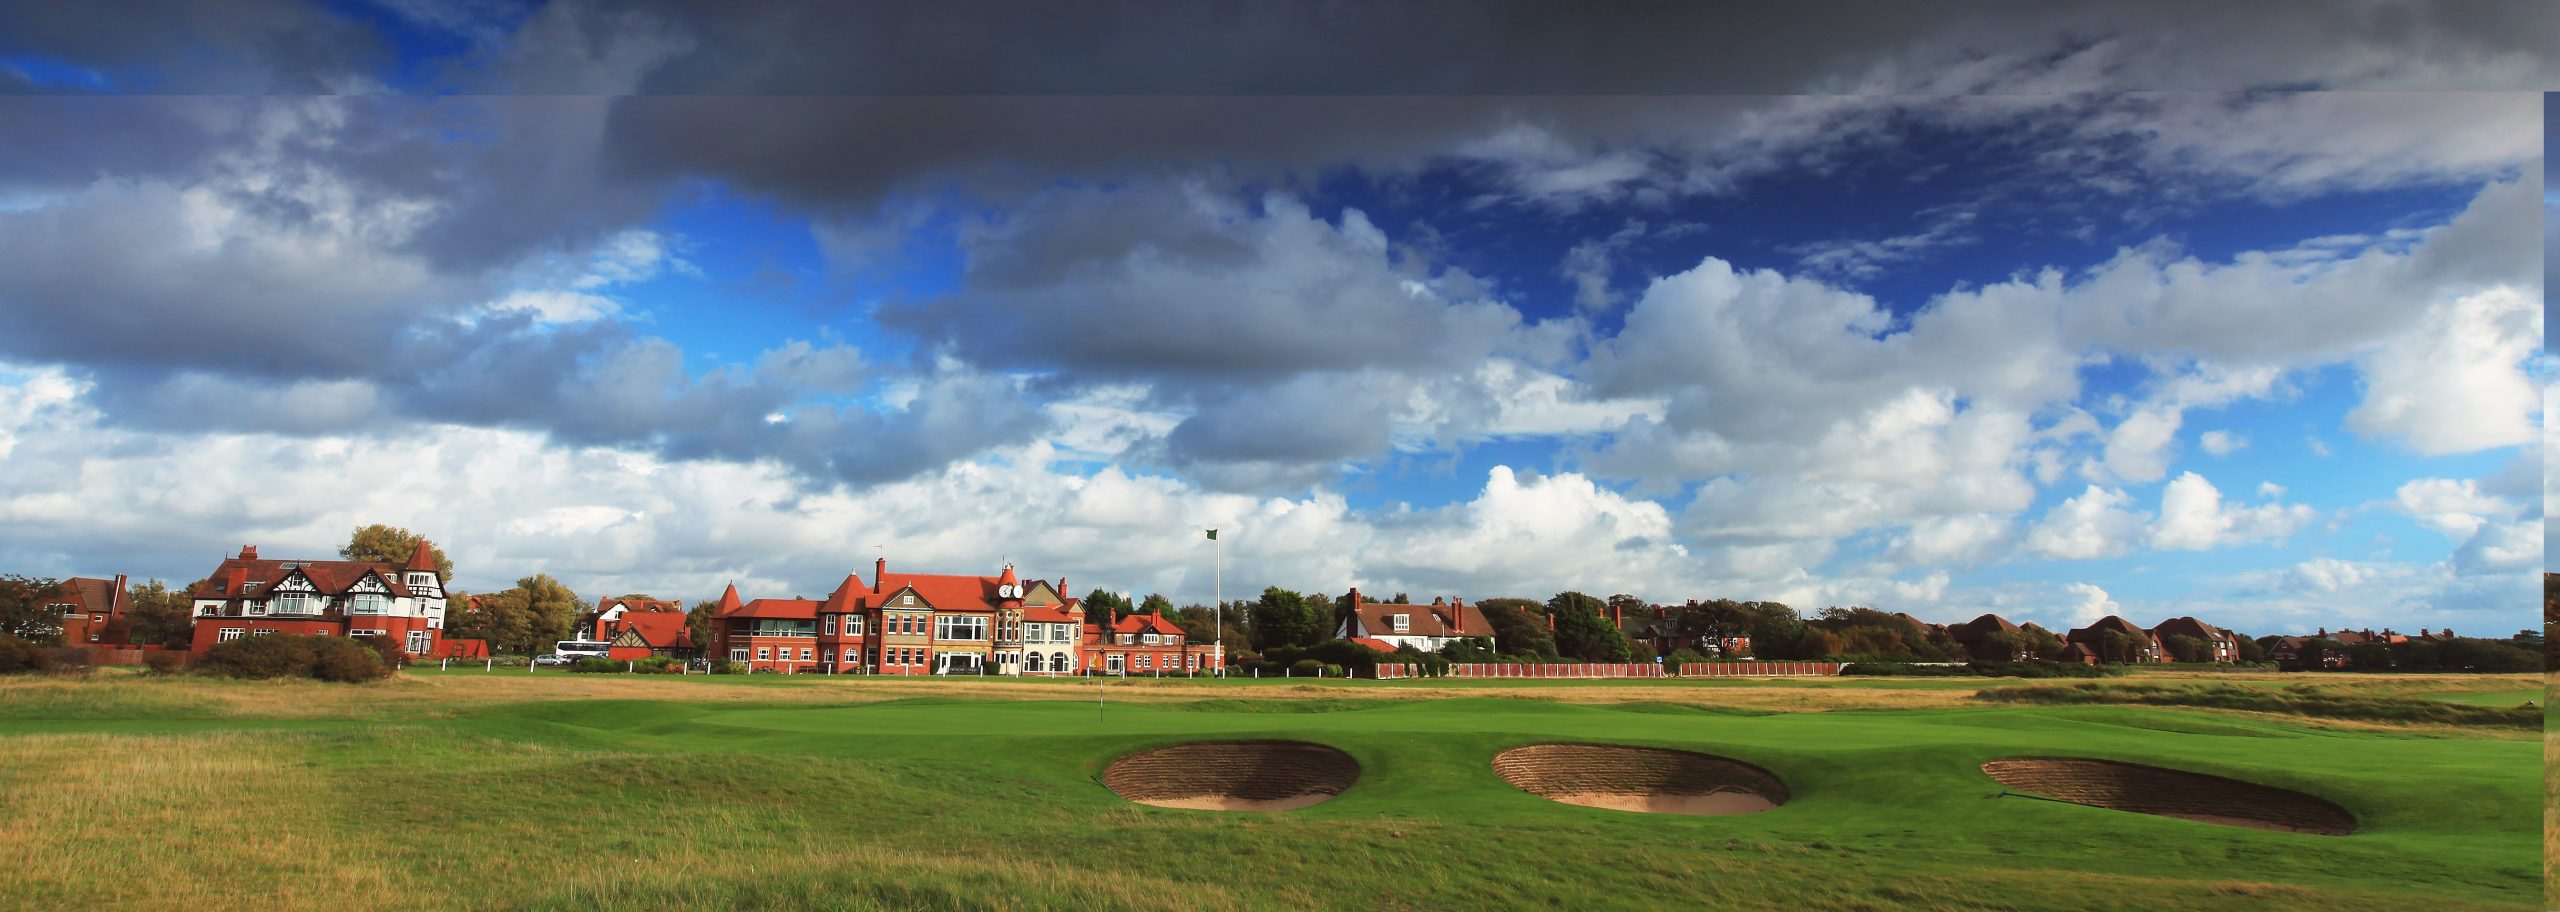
(239, 580)
(248, 552)
(879, 569)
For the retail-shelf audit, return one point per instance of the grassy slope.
(785, 794)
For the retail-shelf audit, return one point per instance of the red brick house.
(251, 596)
(2146, 647)
(1976, 638)
(95, 612)
(1142, 644)
(897, 624)
(606, 621)
(642, 634)
(2224, 643)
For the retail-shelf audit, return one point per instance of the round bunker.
(1647, 779)
(1233, 775)
(2171, 793)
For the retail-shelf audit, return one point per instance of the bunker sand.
(1233, 775)
(1644, 779)
(2171, 793)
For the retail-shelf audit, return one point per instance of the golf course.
(499, 790)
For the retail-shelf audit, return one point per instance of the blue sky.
(2020, 340)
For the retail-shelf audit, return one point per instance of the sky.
(2050, 310)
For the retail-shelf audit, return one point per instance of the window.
(296, 603)
(231, 633)
(263, 631)
(1400, 622)
(763, 653)
(831, 625)
(1058, 662)
(248, 587)
(960, 627)
(1142, 661)
(849, 657)
(369, 603)
(420, 641)
(1149, 639)
(738, 654)
(804, 653)
(1031, 662)
(853, 625)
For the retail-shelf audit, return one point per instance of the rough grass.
(2298, 700)
(598, 791)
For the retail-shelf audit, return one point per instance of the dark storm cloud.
(191, 47)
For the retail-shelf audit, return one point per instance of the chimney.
(1063, 591)
(248, 552)
(2324, 632)
(239, 579)
(1355, 598)
(1618, 616)
(1661, 612)
(1457, 617)
(116, 598)
(878, 570)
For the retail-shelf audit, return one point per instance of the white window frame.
(831, 625)
(1400, 622)
(263, 631)
(737, 653)
(231, 633)
(420, 641)
(764, 653)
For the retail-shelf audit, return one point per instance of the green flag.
(1213, 535)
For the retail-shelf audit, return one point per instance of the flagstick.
(1218, 600)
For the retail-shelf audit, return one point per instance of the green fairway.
(915, 800)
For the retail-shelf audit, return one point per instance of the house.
(95, 612)
(642, 634)
(1653, 627)
(2224, 643)
(2146, 648)
(606, 621)
(1424, 627)
(2292, 652)
(248, 595)
(1143, 644)
(1053, 638)
(1977, 638)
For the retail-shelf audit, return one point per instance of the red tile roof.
(776, 608)
(423, 559)
(662, 629)
(1975, 630)
(329, 577)
(1053, 614)
(1375, 643)
(1425, 620)
(2188, 626)
(945, 592)
(92, 595)
(1146, 623)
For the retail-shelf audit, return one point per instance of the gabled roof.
(2104, 624)
(945, 592)
(328, 577)
(2188, 626)
(1146, 623)
(1975, 630)
(656, 629)
(92, 595)
(1424, 620)
(1375, 643)
(639, 605)
(1067, 612)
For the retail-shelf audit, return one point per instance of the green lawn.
(119, 793)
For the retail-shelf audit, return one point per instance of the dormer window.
(246, 588)
(1400, 622)
(1150, 639)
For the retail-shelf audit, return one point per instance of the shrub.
(1683, 656)
(17, 656)
(728, 667)
(281, 655)
(593, 665)
(347, 660)
(1305, 668)
(165, 661)
(70, 660)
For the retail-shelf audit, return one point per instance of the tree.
(1200, 626)
(1712, 622)
(701, 622)
(1155, 604)
(2042, 643)
(1581, 632)
(162, 616)
(552, 608)
(26, 608)
(1283, 618)
(2118, 646)
(1519, 627)
(1777, 632)
(1105, 607)
(390, 545)
(2248, 650)
(2009, 645)
(2184, 648)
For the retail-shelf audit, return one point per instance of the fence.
(1758, 669)
(1555, 670)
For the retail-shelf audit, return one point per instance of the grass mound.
(1648, 779)
(2171, 793)
(2299, 700)
(1233, 775)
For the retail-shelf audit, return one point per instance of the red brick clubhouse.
(930, 623)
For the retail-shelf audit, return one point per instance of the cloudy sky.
(2051, 310)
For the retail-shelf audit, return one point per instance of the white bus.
(579, 649)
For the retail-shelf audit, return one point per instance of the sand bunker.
(1647, 779)
(1233, 775)
(2171, 793)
